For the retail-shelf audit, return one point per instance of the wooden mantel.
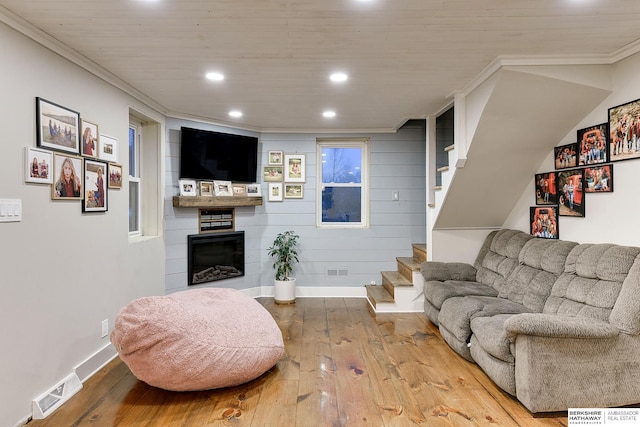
(216, 202)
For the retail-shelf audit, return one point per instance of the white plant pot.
(285, 291)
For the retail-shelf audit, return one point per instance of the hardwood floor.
(343, 366)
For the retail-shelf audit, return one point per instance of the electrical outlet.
(105, 328)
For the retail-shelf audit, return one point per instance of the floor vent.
(51, 400)
(337, 272)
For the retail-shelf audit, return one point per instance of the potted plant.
(285, 254)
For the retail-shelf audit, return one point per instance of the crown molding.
(56, 46)
(541, 60)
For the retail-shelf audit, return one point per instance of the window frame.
(135, 177)
(364, 185)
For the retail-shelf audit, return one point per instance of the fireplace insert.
(215, 256)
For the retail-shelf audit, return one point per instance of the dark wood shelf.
(215, 202)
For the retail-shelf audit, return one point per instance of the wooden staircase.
(401, 290)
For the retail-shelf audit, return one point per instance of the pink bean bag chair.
(197, 339)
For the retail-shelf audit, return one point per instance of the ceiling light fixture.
(338, 77)
(216, 77)
(329, 114)
(235, 113)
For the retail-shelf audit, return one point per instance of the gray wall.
(63, 271)
(397, 163)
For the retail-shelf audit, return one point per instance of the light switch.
(10, 210)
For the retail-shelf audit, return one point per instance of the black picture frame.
(571, 200)
(598, 178)
(96, 183)
(543, 222)
(57, 127)
(624, 131)
(546, 188)
(593, 145)
(565, 156)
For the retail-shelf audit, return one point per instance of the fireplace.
(215, 256)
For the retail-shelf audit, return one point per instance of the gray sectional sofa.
(554, 323)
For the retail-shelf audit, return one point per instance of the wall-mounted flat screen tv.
(208, 155)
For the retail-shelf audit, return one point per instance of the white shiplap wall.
(397, 164)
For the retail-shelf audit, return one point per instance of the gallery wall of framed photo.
(284, 174)
(584, 168)
(72, 157)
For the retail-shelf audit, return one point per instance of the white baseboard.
(52, 399)
(95, 362)
(312, 292)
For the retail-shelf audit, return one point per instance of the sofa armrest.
(441, 271)
(557, 326)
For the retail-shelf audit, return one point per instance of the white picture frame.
(295, 168)
(108, 148)
(254, 190)
(40, 172)
(293, 190)
(222, 188)
(275, 192)
(187, 187)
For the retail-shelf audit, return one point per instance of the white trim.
(513, 60)
(73, 382)
(95, 362)
(363, 144)
(267, 291)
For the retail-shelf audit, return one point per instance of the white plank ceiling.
(404, 58)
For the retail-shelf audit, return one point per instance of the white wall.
(397, 163)
(609, 217)
(63, 271)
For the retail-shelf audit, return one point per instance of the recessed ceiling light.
(338, 77)
(216, 77)
(329, 114)
(235, 113)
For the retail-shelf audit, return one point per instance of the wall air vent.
(337, 272)
(51, 400)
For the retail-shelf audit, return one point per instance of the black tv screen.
(208, 155)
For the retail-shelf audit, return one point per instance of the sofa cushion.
(456, 313)
(492, 337)
(437, 292)
(443, 271)
(197, 339)
(591, 283)
(626, 311)
(494, 265)
(501, 372)
(541, 261)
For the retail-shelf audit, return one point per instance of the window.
(343, 183)
(134, 180)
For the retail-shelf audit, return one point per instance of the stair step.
(419, 252)
(378, 294)
(394, 279)
(443, 169)
(406, 267)
(449, 147)
(431, 205)
(437, 187)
